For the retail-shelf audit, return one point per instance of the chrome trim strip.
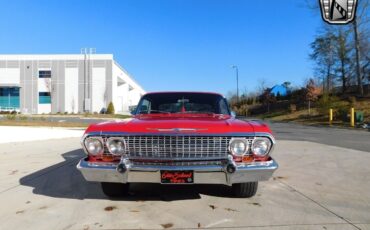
(176, 129)
(177, 158)
(237, 134)
(94, 165)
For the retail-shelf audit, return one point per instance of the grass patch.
(315, 118)
(39, 123)
(272, 115)
(10, 116)
(88, 115)
(118, 116)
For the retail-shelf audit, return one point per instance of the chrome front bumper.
(217, 174)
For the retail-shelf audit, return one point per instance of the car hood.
(180, 125)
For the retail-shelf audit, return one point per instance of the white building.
(73, 83)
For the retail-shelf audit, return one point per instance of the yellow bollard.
(330, 116)
(353, 117)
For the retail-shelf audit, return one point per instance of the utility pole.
(237, 81)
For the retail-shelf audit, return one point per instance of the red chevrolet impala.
(179, 138)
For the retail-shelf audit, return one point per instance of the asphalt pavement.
(321, 184)
(358, 139)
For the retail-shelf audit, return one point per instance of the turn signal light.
(247, 159)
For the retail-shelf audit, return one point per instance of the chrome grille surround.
(179, 163)
(176, 147)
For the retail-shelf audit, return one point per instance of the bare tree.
(261, 85)
(267, 99)
(346, 47)
(323, 55)
(361, 19)
(343, 55)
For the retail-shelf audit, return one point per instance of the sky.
(173, 44)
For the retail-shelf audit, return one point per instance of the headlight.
(261, 146)
(238, 146)
(94, 145)
(116, 146)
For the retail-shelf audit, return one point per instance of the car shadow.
(63, 180)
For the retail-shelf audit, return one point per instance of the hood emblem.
(176, 129)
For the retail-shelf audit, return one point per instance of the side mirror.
(132, 109)
(233, 114)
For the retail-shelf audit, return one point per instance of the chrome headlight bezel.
(108, 145)
(264, 141)
(238, 140)
(92, 138)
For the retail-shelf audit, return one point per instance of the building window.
(44, 98)
(45, 74)
(9, 98)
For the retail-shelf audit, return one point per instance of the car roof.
(195, 92)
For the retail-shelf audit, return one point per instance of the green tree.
(110, 109)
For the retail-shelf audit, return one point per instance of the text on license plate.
(177, 177)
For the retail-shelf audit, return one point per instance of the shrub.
(110, 109)
(292, 108)
(352, 100)
(10, 116)
(22, 118)
(324, 104)
(342, 114)
(327, 102)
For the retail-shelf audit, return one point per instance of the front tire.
(115, 189)
(245, 190)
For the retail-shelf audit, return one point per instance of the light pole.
(237, 81)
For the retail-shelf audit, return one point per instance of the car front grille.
(177, 147)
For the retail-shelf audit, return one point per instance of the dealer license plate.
(177, 177)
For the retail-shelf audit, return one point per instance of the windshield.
(183, 103)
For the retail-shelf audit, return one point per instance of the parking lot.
(323, 183)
